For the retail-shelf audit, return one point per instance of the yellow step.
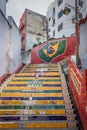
(8, 112)
(39, 102)
(30, 74)
(47, 125)
(11, 102)
(8, 125)
(51, 82)
(36, 112)
(39, 78)
(43, 82)
(7, 94)
(49, 112)
(52, 74)
(30, 88)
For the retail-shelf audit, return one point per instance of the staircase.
(37, 98)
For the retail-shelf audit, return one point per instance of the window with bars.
(53, 22)
(60, 2)
(54, 11)
(60, 27)
(80, 15)
(49, 18)
(53, 33)
(60, 14)
(81, 3)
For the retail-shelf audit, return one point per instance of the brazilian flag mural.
(53, 49)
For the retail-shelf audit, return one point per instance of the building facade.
(78, 77)
(32, 28)
(10, 43)
(83, 37)
(3, 6)
(59, 24)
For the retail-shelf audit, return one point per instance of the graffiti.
(52, 50)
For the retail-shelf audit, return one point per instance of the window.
(49, 30)
(53, 33)
(60, 2)
(81, 3)
(53, 14)
(39, 34)
(49, 19)
(60, 27)
(60, 14)
(54, 11)
(53, 21)
(80, 15)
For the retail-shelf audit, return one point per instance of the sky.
(15, 8)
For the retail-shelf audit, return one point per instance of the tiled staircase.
(37, 98)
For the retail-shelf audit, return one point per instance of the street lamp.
(67, 11)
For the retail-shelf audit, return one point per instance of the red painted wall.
(5, 76)
(70, 50)
(22, 28)
(18, 68)
(80, 93)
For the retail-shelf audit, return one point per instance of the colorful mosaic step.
(39, 78)
(33, 98)
(44, 83)
(31, 85)
(36, 99)
(30, 88)
(11, 102)
(34, 91)
(60, 124)
(34, 70)
(7, 94)
(50, 73)
(37, 117)
(36, 112)
(41, 124)
(32, 107)
(47, 80)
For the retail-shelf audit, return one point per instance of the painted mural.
(53, 50)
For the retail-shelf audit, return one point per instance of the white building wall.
(83, 39)
(3, 44)
(83, 43)
(3, 6)
(15, 45)
(10, 45)
(86, 6)
(49, 16)
(68, 27)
